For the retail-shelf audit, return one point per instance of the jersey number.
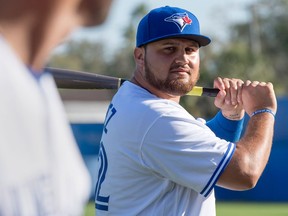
(101, 202)
(110, 113)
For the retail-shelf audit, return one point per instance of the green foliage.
(236, 60)
(264, 42)
(81, 55)
(123, 64)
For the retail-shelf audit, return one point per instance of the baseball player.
(157, 159)
(42, 172)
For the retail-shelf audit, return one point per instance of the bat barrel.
(68, 79)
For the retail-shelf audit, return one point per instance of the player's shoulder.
(132, 97)
(163, 106)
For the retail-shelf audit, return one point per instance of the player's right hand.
(258, 95)
(229, 97)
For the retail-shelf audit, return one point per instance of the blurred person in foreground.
(157, 159)
(42, 172)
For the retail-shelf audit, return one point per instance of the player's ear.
(139, 53)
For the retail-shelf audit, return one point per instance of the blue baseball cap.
(169, 22)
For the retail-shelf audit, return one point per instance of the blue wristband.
(263, 111)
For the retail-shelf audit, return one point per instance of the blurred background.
(249, 41)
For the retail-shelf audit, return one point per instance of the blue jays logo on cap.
(180, 19)
(169, 22)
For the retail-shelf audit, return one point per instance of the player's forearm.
(251, 154)
(257, 141)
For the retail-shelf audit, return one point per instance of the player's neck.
(139, 80)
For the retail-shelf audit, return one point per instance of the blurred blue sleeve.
(225, 128)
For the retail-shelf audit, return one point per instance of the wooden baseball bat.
(71, 79)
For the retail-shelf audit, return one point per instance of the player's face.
(172, 65)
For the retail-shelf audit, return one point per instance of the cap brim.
(201, 39)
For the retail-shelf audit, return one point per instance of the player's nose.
(182, 58)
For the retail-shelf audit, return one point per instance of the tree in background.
(274, 40)
(90, 55)
(122, 64)
(81, 55)
(258, 49)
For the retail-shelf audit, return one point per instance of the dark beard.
(171, 86)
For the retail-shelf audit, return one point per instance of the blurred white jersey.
(156, 159)
(42, 172)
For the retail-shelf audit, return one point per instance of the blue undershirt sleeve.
(225, 128)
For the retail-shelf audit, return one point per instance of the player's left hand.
(229, 98)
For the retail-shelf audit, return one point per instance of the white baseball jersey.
(156, 159)
(42, 172)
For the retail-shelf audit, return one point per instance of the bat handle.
(121, 81)
(210, 92)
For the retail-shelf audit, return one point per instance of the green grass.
(90, 209)
(251, 209)
(234, 209)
